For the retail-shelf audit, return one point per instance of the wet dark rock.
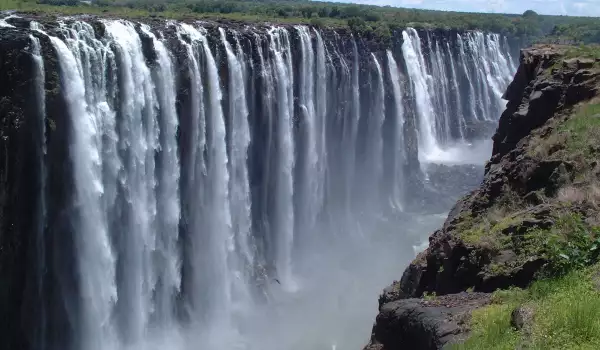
(391, 293)
(432, 324)
(18, 190)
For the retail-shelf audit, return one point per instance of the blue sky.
(549, 7)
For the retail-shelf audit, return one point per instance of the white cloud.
(550, 7)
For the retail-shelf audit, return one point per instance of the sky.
(546, 7)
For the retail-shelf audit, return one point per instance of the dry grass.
(589, 195)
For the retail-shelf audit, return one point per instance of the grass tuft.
(566, 316)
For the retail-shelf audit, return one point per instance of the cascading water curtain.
(208, 161)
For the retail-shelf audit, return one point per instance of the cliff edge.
(534, 216)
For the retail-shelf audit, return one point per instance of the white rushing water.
(284, 191)
(42, 211)
(321, 125)
(139, 139)
(421, 84)
(246, 189)
(240, 188)
(374, 132)
(310, 205)
(353, 132)
(195, 172)
(97, 262)
(168, 278)
(218, 212)
(399, 150)
(5, 24)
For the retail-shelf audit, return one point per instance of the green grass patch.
(583, 129)
(491, 329)
(583, 51)
(570, 243)
(566, 313)
(489, 230)
(590, 51)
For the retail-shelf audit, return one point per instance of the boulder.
(425, 324)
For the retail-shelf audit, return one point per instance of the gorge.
(179, 185)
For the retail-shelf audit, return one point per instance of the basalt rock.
(431, 324)
(17, 181)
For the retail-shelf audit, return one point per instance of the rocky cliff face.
(542, 175)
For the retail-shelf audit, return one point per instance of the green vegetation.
(583, 51)
(365, 19)
(584, 31)
(569, 243)
(565, 316)
(563, 231)
(584, 128)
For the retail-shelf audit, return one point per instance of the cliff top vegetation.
(363, 19)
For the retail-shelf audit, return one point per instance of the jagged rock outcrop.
(482, 244)
(425, 324)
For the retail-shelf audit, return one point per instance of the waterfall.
(441, 92)
(460, 117)
(139, 141)
(219, 240)
(240, 141)
(5, 24)
(96, 258)
(310, 201)
(265, 227)
(471, 93)
(41, 215)
(399, 150)
(421, 81)
(168, 279)
(194, 171)
(225, 179)
(284, 213)
(321, 123)
(355, 116)
(375, 147)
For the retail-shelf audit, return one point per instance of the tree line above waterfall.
(362, 19)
